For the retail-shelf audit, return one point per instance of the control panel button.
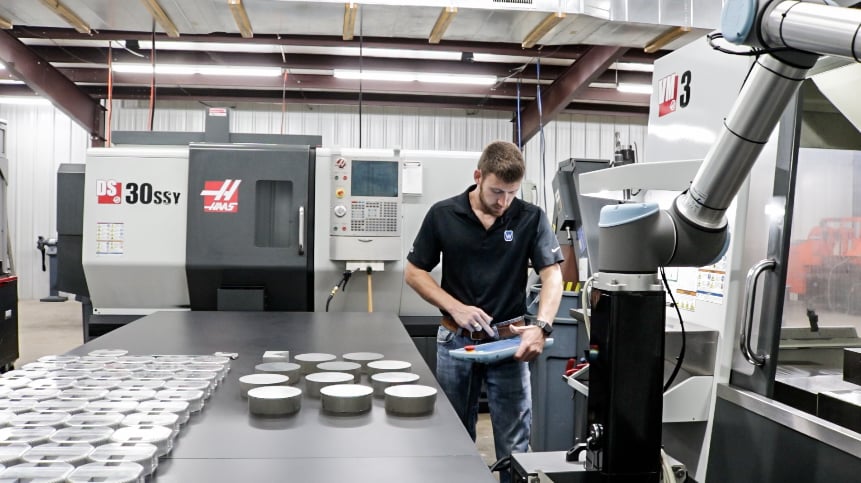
(340, 210)
(339, 192)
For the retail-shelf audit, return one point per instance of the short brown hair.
(504, 160)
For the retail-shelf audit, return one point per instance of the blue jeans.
(509, 394)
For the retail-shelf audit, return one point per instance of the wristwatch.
(545, 327)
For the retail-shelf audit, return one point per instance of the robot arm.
(693, 232)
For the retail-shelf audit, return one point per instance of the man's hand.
(531, 342)
(472, 318)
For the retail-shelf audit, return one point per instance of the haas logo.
(674, 91)
(221, 196)
(109, 192)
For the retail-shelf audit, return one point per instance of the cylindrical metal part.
(194, 398)
(309, 361)
(388, 365)
(32, 420)
(168, 420)
(276, 356)
(318, 380)
(410, 399)
(383, 380)
(110, 374)
(180, 408)
(31, 436)
(59, 358)
(346, 398)
(288, 369)
(31, 393)
(56, 383)
(94, 436)
(274, 400)
(153, 384)
(5, 416)
(159, 436)
(95, 420)
(10, 453)
(251, 381)
(17, 405)
(190, 385)
(132, 394)
(100, 383)
(15, 382)
(362, 358)
(41, 472)
(353, 368)
(143, 454)
(108, 353)
(111, 472)
(83, 394)
(121, 406)
(73, 454)
(70, 406)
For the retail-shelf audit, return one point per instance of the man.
(486, 237)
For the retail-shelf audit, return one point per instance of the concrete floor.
(48, 328)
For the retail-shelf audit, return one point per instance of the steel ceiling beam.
(49, 82)
(565, 88)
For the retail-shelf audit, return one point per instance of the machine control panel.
(366, 196)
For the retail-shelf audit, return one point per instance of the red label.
(221, 196)
(109, 192)
(668, 92)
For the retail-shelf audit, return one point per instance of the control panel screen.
(374, 178)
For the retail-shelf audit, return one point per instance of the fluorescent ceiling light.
(633, 67)
(634, 88)
(215, 70)
(293, 49)
(399, 76)
(25, 101)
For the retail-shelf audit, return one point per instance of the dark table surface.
(224, 442)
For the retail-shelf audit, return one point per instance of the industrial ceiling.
(472, 54)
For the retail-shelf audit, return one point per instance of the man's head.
(498, 176)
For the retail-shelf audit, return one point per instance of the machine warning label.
(110, 238)
(221, 196)
(109, 192)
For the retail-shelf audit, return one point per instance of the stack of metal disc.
(246, 383)
(382, 380)
(274, 400)
(346, 398)
(410, 399)
(143, 454)
(318, 380)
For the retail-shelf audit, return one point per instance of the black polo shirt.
(485, 268)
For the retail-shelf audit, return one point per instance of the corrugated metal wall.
(40, 138)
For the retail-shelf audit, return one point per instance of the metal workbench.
(223, 443)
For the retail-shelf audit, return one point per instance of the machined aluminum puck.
(100, 383)
(159, 436)
(84, 366)
(17, 405)
(346, 398)
(31, 436)
(318, 380)
(93, 436)
(108, 353)
(194, 398)
(309, 360)
(43, 366)
(112, 472)
(382, 380)
(190, 385)
(39, 394)
(71, 406)
(180, 408)
(148, 374)
(74, 453)
(15, 383)
(62, 359)
(388, 365)
(212, 359)
(24, 374)
(153, 384)
(95, 420)
(274, 400)
(135, 359)
(10, 453)
(362, 358)
(218, 369)
(32, 420)
(124, 406)
(110, 374)
(37, 472)
(91, 394)
(353, 368)
(58, 383)
(410, 399)
(143, 454)
(289, 369)
(276, 356)
(5, 417)
(168, 420)
(246, 383)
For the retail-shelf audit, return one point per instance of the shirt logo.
(508, 235)
(221, 196)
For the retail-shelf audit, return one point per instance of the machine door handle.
(747, 312)
(301, 230)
